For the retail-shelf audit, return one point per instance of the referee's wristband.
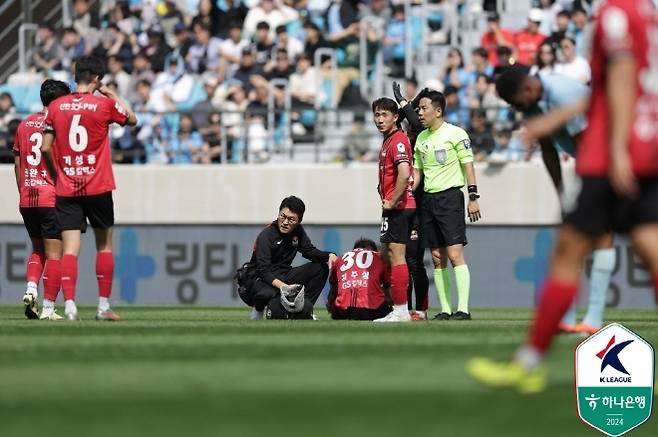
(473, 192)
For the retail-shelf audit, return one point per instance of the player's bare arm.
(47, 154)
(17, 171)
(401, 183)
(418, 176)
(544, 125)
(109, 93)
(473, 206)
(278, 283)
(622, 98)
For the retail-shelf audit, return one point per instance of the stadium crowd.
(199, 72)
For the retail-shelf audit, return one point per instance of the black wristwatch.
(473, 193)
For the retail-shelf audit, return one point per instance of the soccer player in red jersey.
(357, 281)
(398, 203)
(81, 160)
(618, 162)
(37, 206)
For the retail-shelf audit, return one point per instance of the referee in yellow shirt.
(443, 157)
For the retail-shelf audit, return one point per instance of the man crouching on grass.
(287, 292)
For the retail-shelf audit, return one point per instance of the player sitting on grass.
(536, 95)
(358, 280)
(37, 206)
(287, 292)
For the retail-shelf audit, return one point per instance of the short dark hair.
(385, 104)
(509, 81)
(503, 51)
(480, 51)
(263, 25)
(281, 29)
(295, 205)
(52, 89)
(412, 79)
(365, 243)
(87, 68)
(144, 82)
(437, 98)
(567, 37)
(69, 30)
(564, 13)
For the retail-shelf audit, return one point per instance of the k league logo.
(614, 380)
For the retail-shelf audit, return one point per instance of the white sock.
(256, 315)
(48, 304)
(70, 308)
(421, 313)
(528, 357)
(103, 304)
(32, 288)
(401, 309)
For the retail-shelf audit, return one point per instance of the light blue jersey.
(561, 91)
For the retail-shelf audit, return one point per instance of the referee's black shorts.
(599, 209)
(443, 221)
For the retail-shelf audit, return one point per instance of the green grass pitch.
(191, 371)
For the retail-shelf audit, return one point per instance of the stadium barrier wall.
(194, 264)
(518, 193)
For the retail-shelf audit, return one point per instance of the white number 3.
(36, 139)
(78, 138)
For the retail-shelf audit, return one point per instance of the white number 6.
(78, 138)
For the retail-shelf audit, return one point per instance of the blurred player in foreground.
(618, 161)
(358, 280)
(76, 150)
(537, 95)
(398, 203)
(37, 206)
(444, 160)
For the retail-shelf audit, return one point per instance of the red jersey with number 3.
(80, 123)
(623, 28)
(396, 149)
(37, 189)
(359, 276)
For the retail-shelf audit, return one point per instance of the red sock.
(399, 284)
(556, 297)
(35, 267)
(69, 269)
(52, 279)
(104, 273)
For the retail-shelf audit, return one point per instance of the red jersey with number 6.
(37, 189)
(359, 276)
(80, 123)
(396, 149)
(623, 29)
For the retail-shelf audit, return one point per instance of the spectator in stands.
(271, 12)
(187, 145)
(356, 147)
(231, 49)
(208, 15)
(562, 25)
(495, 37)
(292, 45)
(394, 42)
(141, 72)
(117, 74)
(230, 12)
(183, 40)
(73, 48)
(143, 96)
(546, 59)
(7, 138)
(378, 13)
(123, 18)
(482, 96)
(344, 30)
(247, 69)
(482, 141)
(114, 43)
(572, 65)
(314, 40)
(47, 53)
(205, 53)
(257, 135)
(527, 41)
(263, 43)
(508, 148)
(303, 83)
(479, 65)
(579, 20)
(455, 73)
(202, 109)
(505, 59)
(7, 111)
(157, 49)
(85, 21)
(212, 137)
(453, 112)
(172, 87)
(280, 68)
(233, 105)
(550, 10)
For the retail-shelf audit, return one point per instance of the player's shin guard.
(555, 299)
(399, 284)
(52, 279)
(104, 273)
(442, 284)
(463, 280)
(69, 267)
(34, 268)
(602, 268)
